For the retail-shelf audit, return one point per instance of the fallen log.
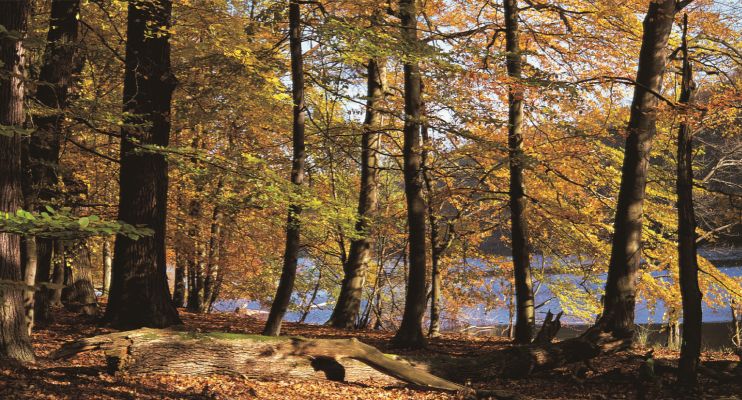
(148, 350)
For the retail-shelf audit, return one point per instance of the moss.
(230, 336)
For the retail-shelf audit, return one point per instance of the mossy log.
(192, 353)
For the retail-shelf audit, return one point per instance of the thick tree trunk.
(139, 292)
(525, 316)
(348, 305)
(690, 350)
(291, 253)
(626, 252)
(14, 340)
(107, 267)
(179, 288)
(79, 294)
(410, 333)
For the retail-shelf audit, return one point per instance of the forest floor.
(85, 377)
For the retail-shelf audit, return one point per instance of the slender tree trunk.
(15, 343)
(351, 290)
(620, 288)
(197, 259)
(212, 267)
(42, 156)
(291, 253)
(180, 279)
(410, 333)
(312, 298)
(690, 350)
(58, 262)
(436, 244)
(107, 265)
(139, 292)
(29, 278)
(79, 293)
(525, 316)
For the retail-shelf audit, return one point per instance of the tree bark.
(525, 316)
(79, 294)
(620, 288)
(107, 265)
(410, 333)
(15, 343)
(348, 305)
(690, 350)
(139, 292)
(291, 253)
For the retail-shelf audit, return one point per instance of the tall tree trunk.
(525, 316)
(626, 253)
(291, 253)
(437, 245)
(179, 287)
(79, 293)
(14, 340)
(410, 333)
(139, 292)
(197, 255)
(40, 184)
(351, 289)
(107, 265)
(212, 267)
(687, 257)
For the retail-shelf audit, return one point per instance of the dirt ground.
(85, 376)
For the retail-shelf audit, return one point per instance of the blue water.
(481, 316)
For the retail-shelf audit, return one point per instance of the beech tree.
(626, 251)
(524, 311)
(139, 292)
(690, 349)
(348, 304)
(293, 237)
(15, 343)
(410, 333)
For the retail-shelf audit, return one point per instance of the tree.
(351, 289)
(525, 317)
(291, 253)
(690, 349)
(139, 293)
(42, 156)
(15, 343)
(626, 250)
(410, 333)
